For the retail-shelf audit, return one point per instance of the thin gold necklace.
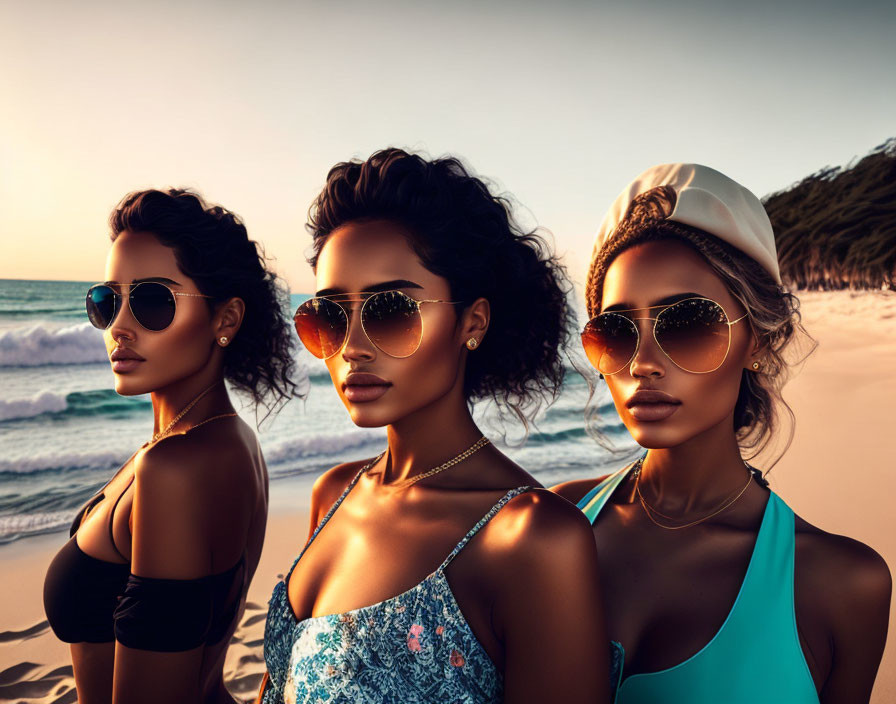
(470, 451)
(168, 428)
(649, 510)
(209, 420)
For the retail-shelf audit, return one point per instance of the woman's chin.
(129, 387)
(655, 438)
(368, 417)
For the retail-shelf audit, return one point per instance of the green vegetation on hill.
(837, 228)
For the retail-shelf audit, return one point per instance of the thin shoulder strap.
(592, 503)
(485, 519)
(323, 521)
(112, 518)
(102, 489)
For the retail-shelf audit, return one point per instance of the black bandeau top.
(88, 600)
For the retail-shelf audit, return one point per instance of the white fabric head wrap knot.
(707, 200)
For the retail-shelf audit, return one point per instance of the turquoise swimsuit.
(414, 648)
(756, 655)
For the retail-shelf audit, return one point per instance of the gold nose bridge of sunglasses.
(125, 290)
(663, 307)
(347, 301)
(363, 297)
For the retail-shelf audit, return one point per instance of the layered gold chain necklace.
(651, 511)
(166, 431)
(470, 451)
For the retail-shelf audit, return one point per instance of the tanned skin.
(198, 501)
(666, 592)
(528, 596)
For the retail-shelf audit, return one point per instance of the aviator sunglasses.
(694, 333)
(152, 304)
(390, 319)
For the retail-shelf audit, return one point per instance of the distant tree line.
(837, 228)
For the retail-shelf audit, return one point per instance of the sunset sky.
(559, 104)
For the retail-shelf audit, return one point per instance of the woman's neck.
(429, 437)
(170, 401)
(695, 475)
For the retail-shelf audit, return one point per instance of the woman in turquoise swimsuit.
(715, 590)
(437, 571)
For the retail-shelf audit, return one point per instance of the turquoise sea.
(64, 431)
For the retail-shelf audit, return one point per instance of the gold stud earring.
(472, 343)
(755, 366)
(223, 340)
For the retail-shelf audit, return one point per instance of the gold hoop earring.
(472, 343)
(755, 366)
(223, 340)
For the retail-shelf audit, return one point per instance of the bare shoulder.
(863, 577)
(176, 464)
(539, 544)
(573, 491)
(178, 509)
(541, 527)
(328, 487)
(204, 454)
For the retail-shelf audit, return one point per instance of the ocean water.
(64, 431)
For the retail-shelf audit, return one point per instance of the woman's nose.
(357, 345)
(649, 360)
(123, 322)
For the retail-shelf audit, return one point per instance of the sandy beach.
(837, 474)
(35, 666)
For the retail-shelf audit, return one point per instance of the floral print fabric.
(414, 648)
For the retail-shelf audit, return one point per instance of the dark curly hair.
(463, 233)
(772, 311)
(212, 247)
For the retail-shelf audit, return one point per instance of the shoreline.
(35, 667)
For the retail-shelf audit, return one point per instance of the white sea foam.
(62, 460)
(44, 402)
(321, 444)
(46, 343)
(285, 451)
(28, 523)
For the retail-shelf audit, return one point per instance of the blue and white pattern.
(414, 648)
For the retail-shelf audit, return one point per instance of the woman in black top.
(150, 585)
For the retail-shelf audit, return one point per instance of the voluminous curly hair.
(772, 312)
(463, 233)
(212, 247)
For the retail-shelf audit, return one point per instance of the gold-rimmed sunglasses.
(153, 304)
(694, 333)
(390, 319)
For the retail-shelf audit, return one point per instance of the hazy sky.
(560, 104)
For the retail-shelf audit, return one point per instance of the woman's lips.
(650, 406)
(124, 361)
(362, 388)
(649, 412)
(122, 366)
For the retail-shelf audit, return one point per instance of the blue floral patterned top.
(414, 648)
